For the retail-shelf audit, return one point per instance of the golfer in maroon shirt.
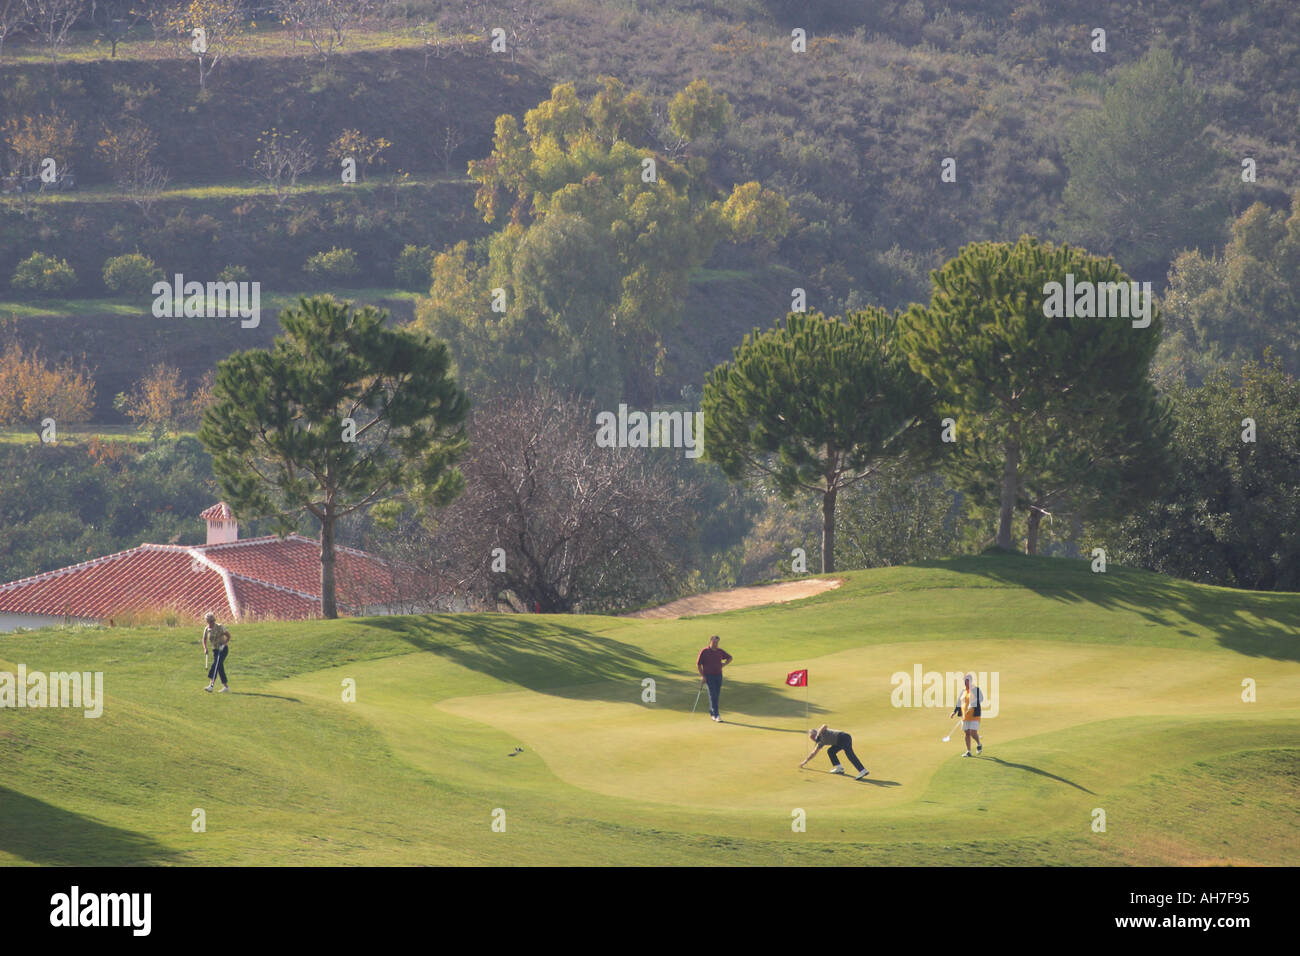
(710, 663)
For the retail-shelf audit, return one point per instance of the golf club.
(697, 697)
(954, 727)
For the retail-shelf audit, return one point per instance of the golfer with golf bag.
(837, 740)
(220, 648)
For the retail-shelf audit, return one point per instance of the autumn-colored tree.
(31, 391)
(158, 403)
(199, 401)
(129, 151)
(364, 150)
(31, 139)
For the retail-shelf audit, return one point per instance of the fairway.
(1119, 693)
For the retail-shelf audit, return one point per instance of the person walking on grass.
(837, 740)
(220, 638)
(710, 663)
(969, 702)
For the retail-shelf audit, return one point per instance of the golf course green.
(1119, 699)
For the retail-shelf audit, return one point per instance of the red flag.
(797, 678)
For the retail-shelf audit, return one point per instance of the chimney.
(222, 527)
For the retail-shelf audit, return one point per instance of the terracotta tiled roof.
(218, 512)
(259, 578)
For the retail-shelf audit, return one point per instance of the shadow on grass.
(50, 836)
(550, 657)
(249, 693)
(779, 730)
(1165, 601)
(852, 775)
(1041, 773)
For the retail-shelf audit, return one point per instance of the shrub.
(133, 273)
(42, 273)
(335, 264)
(233, 273)
(414, 268)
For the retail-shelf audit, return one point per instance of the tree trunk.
(828, 531)
(1031, 539)
(1008, 503)
(328, 606)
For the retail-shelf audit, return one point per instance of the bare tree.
(280, 159)
(549, 521)
(13, 17)
(52, 19)
(436, 45)
(671, 143)
(453, 137)
(324, 23)
(519, 20)
(210, 31)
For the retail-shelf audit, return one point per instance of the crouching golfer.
(968, 705)
(837, 740)
(220, 638)
(710, 663)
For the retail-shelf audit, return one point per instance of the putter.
(954, 727)
(697, 697)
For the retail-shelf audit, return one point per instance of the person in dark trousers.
(710, 663)
(969, 703)
(837, 740)
(220, 638)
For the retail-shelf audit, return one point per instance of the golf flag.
(797, 678)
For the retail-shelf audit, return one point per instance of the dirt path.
(716, 601)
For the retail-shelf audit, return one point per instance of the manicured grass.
(1118, 692)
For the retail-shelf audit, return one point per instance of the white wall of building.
(11, 622)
